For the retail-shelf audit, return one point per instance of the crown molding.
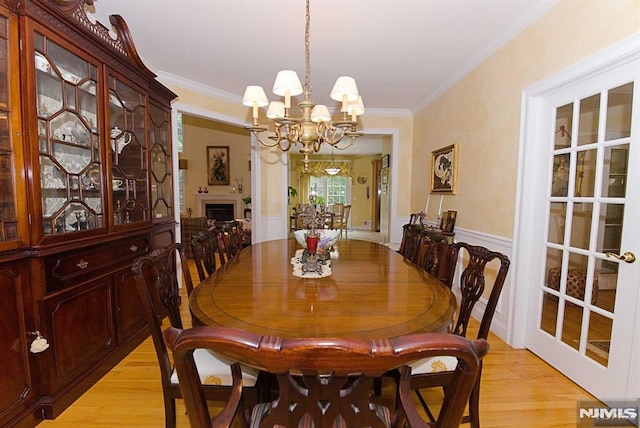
(172, 79)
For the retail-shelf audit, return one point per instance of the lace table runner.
(296, 261)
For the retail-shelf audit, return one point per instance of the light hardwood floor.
(518, 390)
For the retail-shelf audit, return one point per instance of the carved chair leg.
(170, 413)
(474, 406)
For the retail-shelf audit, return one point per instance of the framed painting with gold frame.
(444, 170)
(218, 165)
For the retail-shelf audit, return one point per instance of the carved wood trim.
(49, 12)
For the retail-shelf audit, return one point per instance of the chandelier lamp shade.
(315, 126)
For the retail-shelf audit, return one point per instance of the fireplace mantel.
(203, 199)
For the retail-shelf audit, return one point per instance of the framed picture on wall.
(385, 161)
(448, 221)
(384, 176)
(444, 170)
(218, 165)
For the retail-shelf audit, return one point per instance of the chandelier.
(315, 126)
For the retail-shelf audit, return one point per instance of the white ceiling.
(402, 53)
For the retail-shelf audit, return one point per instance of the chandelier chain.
(307, 62)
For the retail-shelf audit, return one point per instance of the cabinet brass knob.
(82, 264)
(133, 248)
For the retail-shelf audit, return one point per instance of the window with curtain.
(334, 189)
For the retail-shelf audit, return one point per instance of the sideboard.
(427, 246)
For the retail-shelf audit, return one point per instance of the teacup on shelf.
(119, 139)
(116, 184)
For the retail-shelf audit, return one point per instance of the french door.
(584, 306)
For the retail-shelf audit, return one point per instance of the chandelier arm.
(259, 140)
(321, 130)
(293, 134)
(334, 135)
(277, 138)
(351, 140)
(277, 143)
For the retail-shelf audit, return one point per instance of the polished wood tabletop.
(372, 293)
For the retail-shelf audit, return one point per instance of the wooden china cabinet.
(85, 188)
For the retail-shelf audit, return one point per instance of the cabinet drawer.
(68, 268)
(71, 264)
(130, 249)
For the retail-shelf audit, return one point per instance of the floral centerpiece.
(316, 242)
(327, 238)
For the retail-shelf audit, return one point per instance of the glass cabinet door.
(161, 166)
(68, 140)
(8, 211)
(128, 147)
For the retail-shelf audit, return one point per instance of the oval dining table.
(372, 293)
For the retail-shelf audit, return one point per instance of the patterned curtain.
(317, 169)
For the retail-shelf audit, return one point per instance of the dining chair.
(433, 255)
(474, 279)
(341, 218)
(323, 382)
(206, 248)
(231, 238)
(411, 236)
(157, 283)
(190, 226)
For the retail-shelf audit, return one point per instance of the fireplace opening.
(220, 212)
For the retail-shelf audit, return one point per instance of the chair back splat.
(204, 247)
(433, 255)
(324, 382)
(341, 217)
(473, 284)
(231, 239)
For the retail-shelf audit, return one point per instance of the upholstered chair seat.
(214, 370)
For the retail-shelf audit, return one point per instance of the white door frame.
(527, 265)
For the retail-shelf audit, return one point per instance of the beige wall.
(481, 113)
(199, 133)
